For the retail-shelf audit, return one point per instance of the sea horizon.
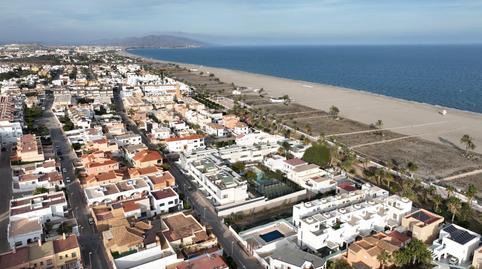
(446, 75)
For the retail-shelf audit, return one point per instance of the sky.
(245, 22)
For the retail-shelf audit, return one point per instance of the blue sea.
(447, 75)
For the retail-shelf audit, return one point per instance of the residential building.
(223, 184)
(165, 200)
(146, 158)
(59, 253)
(235, 153)
(216, 130)
(292, 257)
(477, 260)
(24, 231)
(45, 206)
(10, 132)
(187, 234)
(206, 261)
(122, 190)
(457, 242)
(185, 143)
(128, 139)
(29, 149)
(423, 225)
(339, 227)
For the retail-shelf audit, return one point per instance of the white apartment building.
(10, 131)
(274, 162)
(258, 137)
(161, 133)
(45, 206)
(185, 143)
(165, 200)
(221, 183)
(333, 202)
(339, 227)
(235, 153)
(128, 139)
(455, 241)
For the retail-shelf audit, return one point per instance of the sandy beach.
(405, 117)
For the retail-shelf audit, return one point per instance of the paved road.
(201, 205)
(89, 239)
(6, 187)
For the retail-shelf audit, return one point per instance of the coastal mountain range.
(153, 41)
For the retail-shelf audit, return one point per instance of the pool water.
(271, 236)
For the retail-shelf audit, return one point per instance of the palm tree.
(389, 179)
(379, 125)
(384, 258)
(468, 142)
(334, 155)
(431, 190)
(470, 193)
(412, 167)
(334, 111)
(450, 191)
(437, 201)
(379, 174)
(454, 205)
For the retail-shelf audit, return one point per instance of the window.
(74, 254)
(170, 202)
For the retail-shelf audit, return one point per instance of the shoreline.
(408, 116)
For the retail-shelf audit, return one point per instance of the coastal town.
(109, 160)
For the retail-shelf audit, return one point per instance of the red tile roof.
(209, 261)
(12, 259)
(165, 193)
(187, 137)
(70, 242)
(295, 162)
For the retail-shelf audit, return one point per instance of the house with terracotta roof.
(162, 180)
(145, 158)
(36, 175)
(230, 121)
(29, 149)
(122, 190)
(216, 130)
(102, 144)
(146, 171)
(363, 253)
(206, 261)
(44, 206)
(58, 253)
(101, 178)
(423, 225)
(187, 234)
(98, 162)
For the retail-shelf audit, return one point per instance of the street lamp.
(90, 259)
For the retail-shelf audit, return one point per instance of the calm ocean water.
(442, 75)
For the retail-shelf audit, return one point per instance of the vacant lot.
(434, 160)
(462, 183)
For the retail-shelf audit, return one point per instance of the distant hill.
(153, 41)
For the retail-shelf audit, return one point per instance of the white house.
(122, 190)
(24, 231)
(286, 256)
(185, 143)
(10, 131)
(457, 242)
(274, 162)
(45, 207)
(216, 130)
(165, 200)
(128, 139)
(258, 137)
(235, 153)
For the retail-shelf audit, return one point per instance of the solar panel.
(421, 216)
(458, 235)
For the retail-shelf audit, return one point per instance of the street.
(93, 252)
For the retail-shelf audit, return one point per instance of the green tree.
(250, 176)
(437, 201)
(412, 168)
(238, 167)
(454, 206)
(384, 258)
(318, 154)
(415, 253)
(334, 111)
(450, 191)
(40, 190)
(468, 142)
(470, 193)
(338, 264)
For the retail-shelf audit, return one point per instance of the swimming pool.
(271, 236)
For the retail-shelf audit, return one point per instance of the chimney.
(63, 236)
(40, 242)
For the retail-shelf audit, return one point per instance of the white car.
(453, 260)
(64, 170)
(67, 179)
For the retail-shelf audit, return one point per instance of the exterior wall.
(24, 239)
(71, 256)
(425, 233)
(162, 206)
